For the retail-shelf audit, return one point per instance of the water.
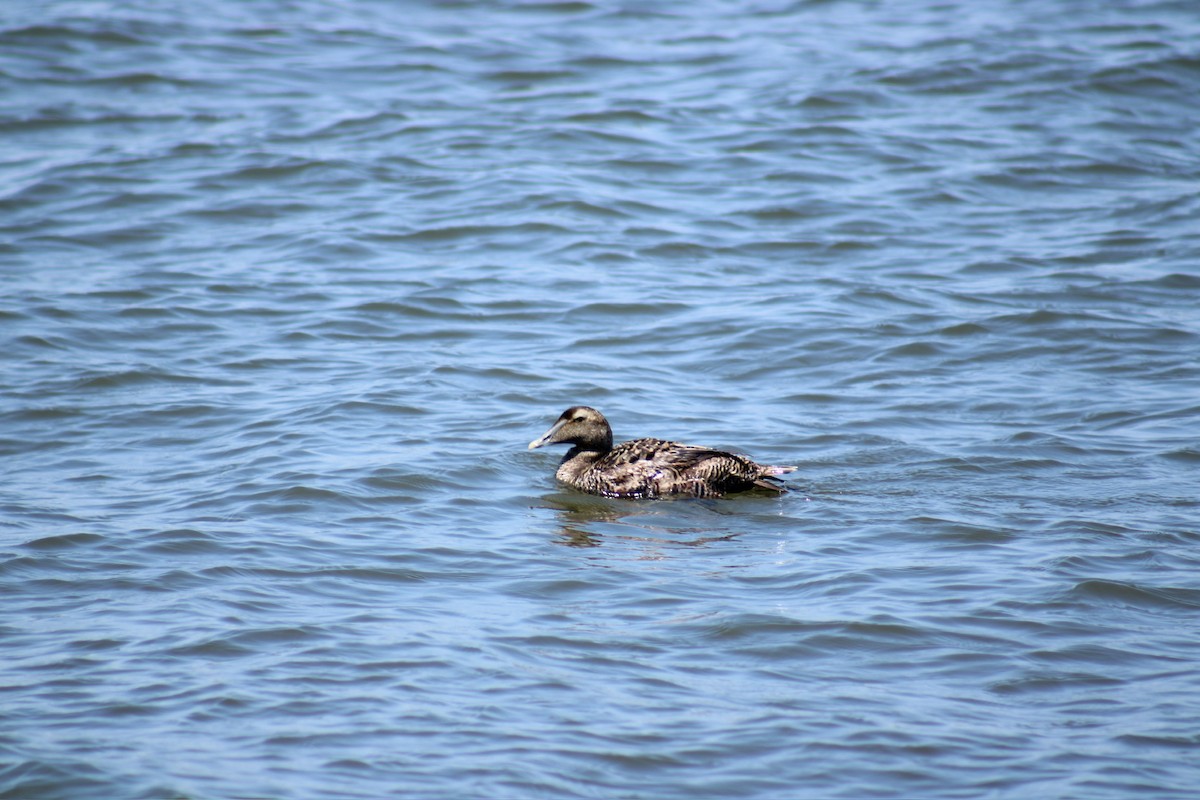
(287, 287)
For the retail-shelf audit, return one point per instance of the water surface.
(285, 289)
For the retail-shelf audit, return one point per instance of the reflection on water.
(585, 520)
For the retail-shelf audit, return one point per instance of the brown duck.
(648, 468)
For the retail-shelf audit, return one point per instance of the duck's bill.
(547, 437)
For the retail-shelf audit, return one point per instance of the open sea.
(286, 287)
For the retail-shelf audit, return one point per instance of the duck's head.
(584, 427)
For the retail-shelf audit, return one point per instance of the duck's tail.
(767, 479)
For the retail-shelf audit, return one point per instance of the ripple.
(1138, 595)
(136, 377)
(64, 542)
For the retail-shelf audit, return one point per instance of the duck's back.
(657, 468)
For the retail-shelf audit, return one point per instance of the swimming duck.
(648, 468)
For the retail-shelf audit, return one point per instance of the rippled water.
(287, 288)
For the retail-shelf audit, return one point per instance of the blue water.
(286, 288)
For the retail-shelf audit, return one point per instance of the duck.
(649, 468)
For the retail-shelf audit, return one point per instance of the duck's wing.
(719, 472)
(633, 469)
(654, 467)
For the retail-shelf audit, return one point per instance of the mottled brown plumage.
(648, 467)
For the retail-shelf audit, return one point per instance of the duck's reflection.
(589, 520)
